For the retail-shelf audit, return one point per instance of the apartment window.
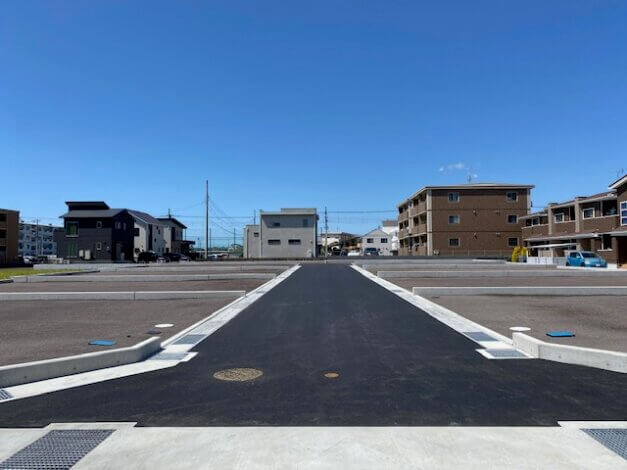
(276, 224)
(588, 213)
(512, 219)
(98, 224)
(71, 229)
(453, 219)
(98, 246)
(118, 225)
(384, 240)
(559, 217)
(3, 233)
(606, 242)
(124, 226)
(369, 240)
(3, 218)
(623, 213)
(511, 196)
(453, 242)
(256, 234)
(453, 197)
(293, 242)
(274, 242)
(512, 241)
(136, 232)
(305, 222)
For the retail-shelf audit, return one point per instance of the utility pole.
(233, 237)
(206, 219)
(326, 234)
(210, 241)
(37, 244)
(254, 216)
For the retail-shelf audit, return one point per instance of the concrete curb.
(430, 266)
(147, 277)
(535, 291)
(599, 358)
(71, 275)
(16, 374)
(487, 273)
(146, 295)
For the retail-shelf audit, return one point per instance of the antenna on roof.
(620, 173)
(470, 175)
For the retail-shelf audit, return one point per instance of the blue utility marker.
(102, 342)
(560, 334)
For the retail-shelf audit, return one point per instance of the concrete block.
(67, 295)
(532, 291)
(173, 295)
(27, 372)
(599, 358)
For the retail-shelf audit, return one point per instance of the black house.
(94, 231)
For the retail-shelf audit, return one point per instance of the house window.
(274, 242)
(588, 213)
(276, 224)
(453, 197)
(136, 232)
(72, 250)
(293, 242)
(3, 218)
(512, 219)
(71, 229)
(559, 217)
(453, 242)
(384, 240)
(369, 240)
(118, 225)
(606, 242)
(305, 222)
(512, 241)
(511, 196)
(256, 234)
(98, 246)
(99, 224)
(623, 213)
(453, 219)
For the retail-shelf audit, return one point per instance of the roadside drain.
(331, 375)
(238, 374)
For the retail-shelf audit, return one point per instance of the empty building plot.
(36, 330)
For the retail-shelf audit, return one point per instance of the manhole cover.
(331, 375)
(242, 374)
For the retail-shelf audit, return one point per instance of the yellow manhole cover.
(331, 375)
(238, 374)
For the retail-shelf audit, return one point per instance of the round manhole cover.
(238, 374)
(331, 375)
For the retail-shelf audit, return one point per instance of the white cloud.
(454, 166)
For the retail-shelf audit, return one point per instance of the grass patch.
(6, 273)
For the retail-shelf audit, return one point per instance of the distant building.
(590, 223)
(478, 219)
(9, 235)
(174, 236)
(377, 239)
(37, 240)
(288, 233)
(390, 226)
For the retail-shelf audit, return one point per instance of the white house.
(379, 240)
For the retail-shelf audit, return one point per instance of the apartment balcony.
(418, 209)
(403, 233)
(402, 216)
(599, 224)
(535, 231)
(418, 229)
(563, 227)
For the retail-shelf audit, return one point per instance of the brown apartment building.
(9, 235)
(477, 219)
(592, 223)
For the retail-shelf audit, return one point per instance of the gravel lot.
(235, 284)
(598, 322)
(41, 330)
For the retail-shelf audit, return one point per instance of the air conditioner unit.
(80, 253)
(87, 254)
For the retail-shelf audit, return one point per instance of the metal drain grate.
(613, 439)
(479, 336)
(506, 354)
(191, 339)
(169, 356)
(57, 450)
(4, 395)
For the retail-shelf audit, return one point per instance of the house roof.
(471, 186)
(144, 217)
(173, 220)
(619, 182)
(87, 205)
(88, 214)
(376, 231)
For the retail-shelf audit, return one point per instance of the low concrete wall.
(600, 358)
(144, 277)
(433, 266)
(531, 291)
(495, 273)
(146, 295)
(27, 372)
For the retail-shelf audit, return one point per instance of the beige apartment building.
(9, 235)
(591, 223)
(476, 219)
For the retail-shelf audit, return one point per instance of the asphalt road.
(396, 366)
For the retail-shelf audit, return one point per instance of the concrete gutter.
(27, 372)
(490, 273)
(531, 291)
(599, 358)
(146, 277)
(145, 295)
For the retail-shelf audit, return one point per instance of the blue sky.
(349, 105)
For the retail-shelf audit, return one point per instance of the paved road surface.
(397, 366)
